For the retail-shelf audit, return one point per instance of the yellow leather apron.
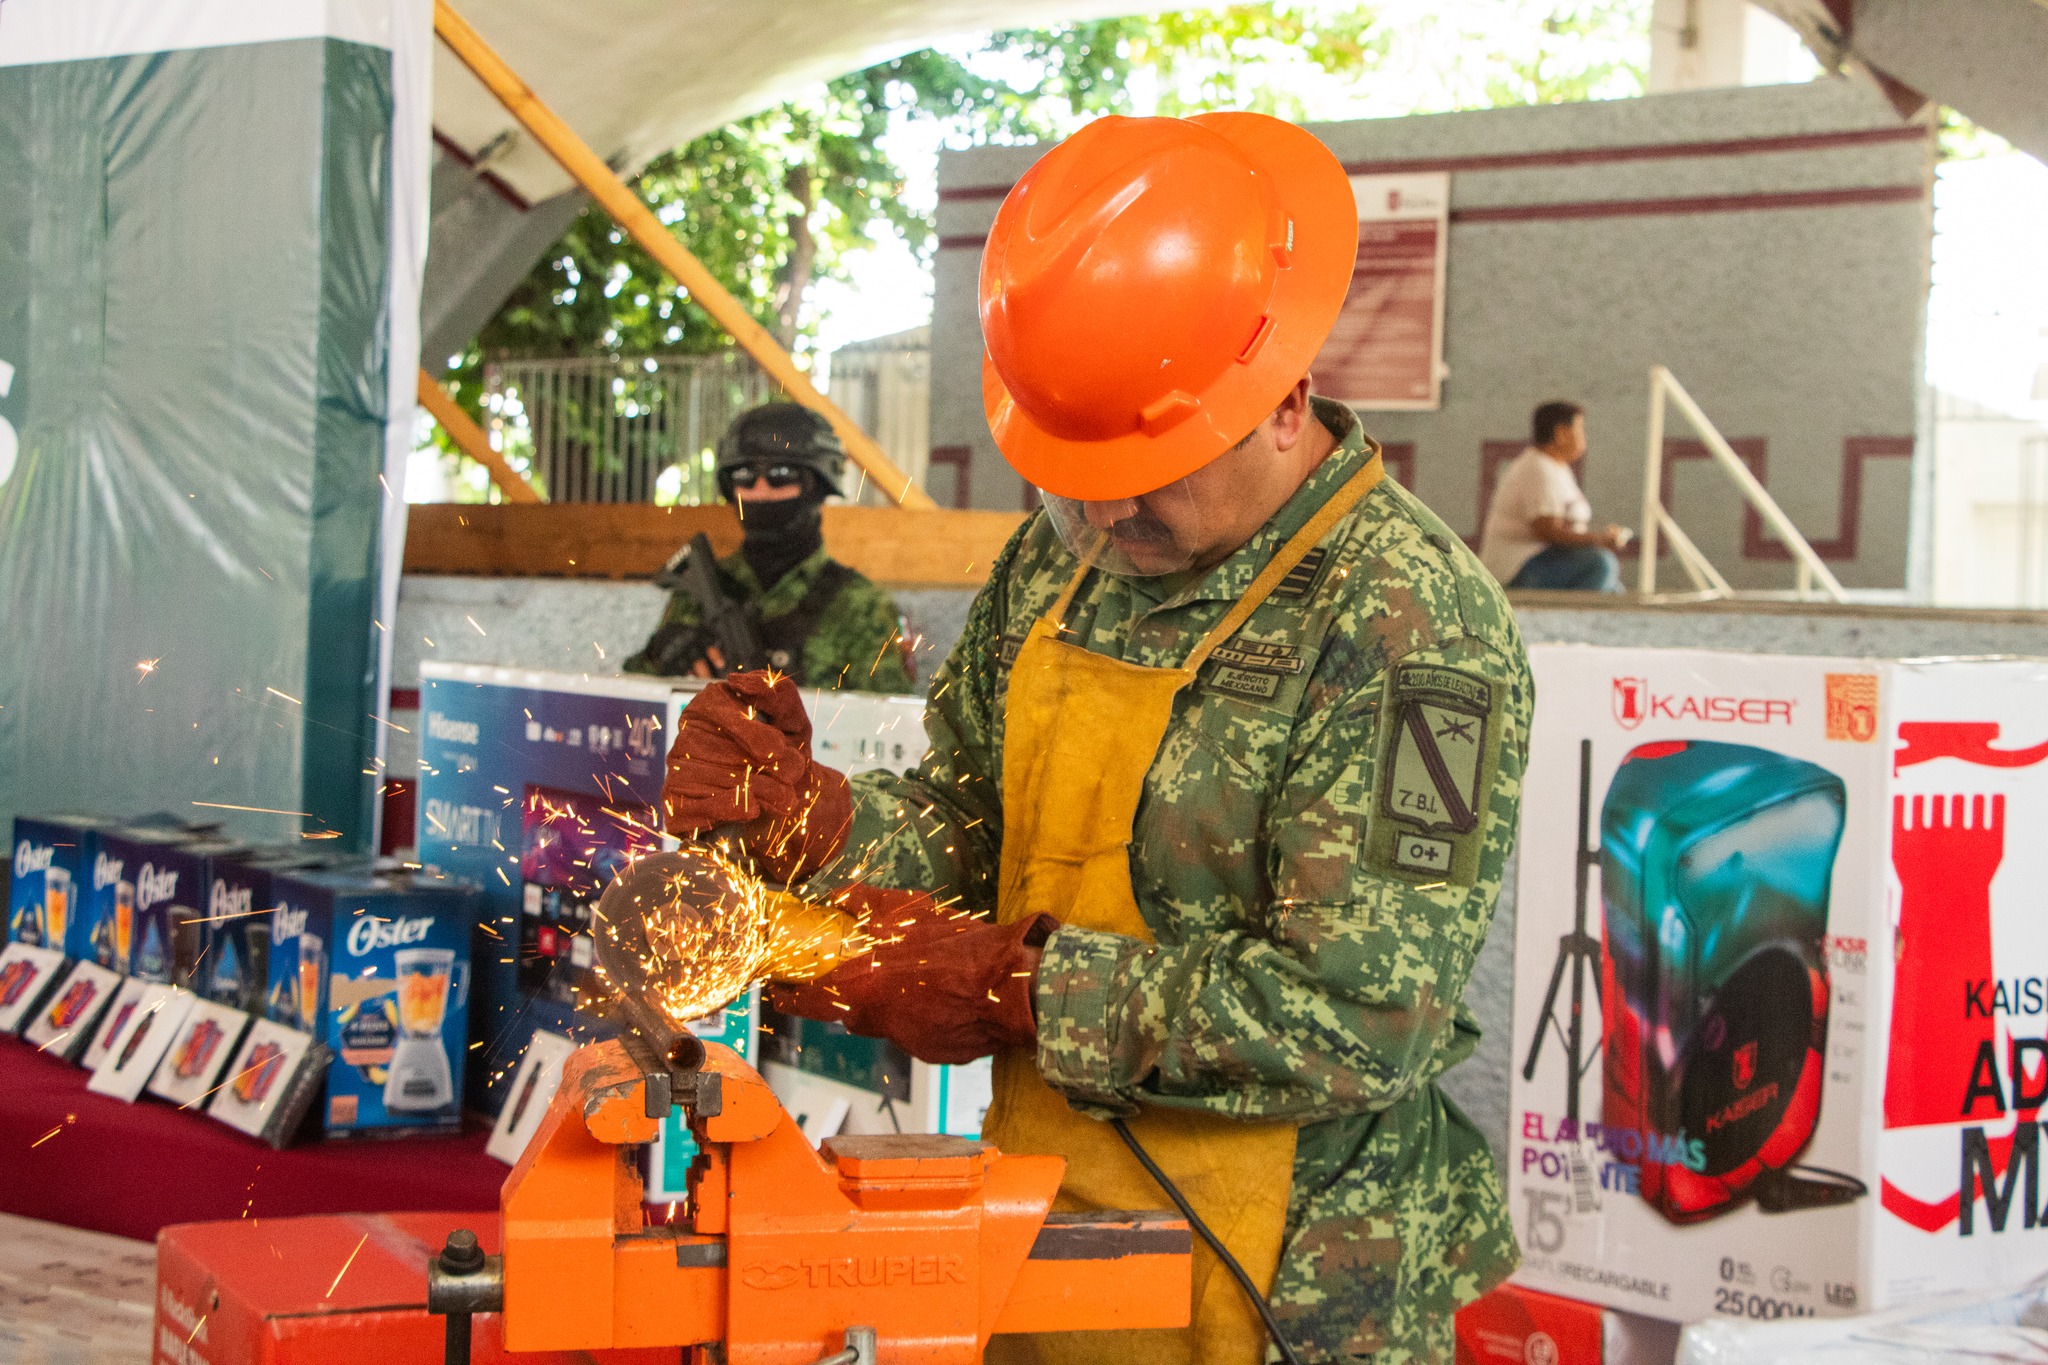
(1080, 733)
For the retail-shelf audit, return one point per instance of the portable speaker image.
(1715, 863)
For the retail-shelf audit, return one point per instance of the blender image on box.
(51, 861)
(420, 1077)
(1715, 865)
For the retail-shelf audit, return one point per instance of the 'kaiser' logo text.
(1635, 701)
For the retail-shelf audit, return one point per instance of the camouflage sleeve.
(939, 827)
(859, 643)
(1341, 993)
(682, 610)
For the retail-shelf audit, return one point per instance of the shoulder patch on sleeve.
(1434, 769)
(1303, 575)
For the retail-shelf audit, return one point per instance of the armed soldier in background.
(781, 602)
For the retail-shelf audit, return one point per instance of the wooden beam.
(936, 548)
(632, 214)
(470, 437)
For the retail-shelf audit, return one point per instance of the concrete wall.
(578, 626)
(1990, 506)
(1769, 245)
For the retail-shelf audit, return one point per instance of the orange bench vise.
(878, 1250)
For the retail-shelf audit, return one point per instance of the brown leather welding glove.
(946, 988)
(742, 756)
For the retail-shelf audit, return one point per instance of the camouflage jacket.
(857, 642)
(1302, 971)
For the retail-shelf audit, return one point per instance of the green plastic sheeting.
(195, 286)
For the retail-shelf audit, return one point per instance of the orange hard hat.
(1151, 290)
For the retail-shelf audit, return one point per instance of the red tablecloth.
(130, 1169)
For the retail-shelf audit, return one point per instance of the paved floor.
(73, 1298)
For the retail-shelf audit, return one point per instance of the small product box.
(376, 967)
(234, 944)
(1517, 1326)
(27, 976)
(53, 860)
(151, 884)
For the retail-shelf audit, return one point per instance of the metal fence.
(606, 429)
(610, 428)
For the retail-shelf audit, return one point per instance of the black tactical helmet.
(788, 432)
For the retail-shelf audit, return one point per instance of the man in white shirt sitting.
(1536, 532)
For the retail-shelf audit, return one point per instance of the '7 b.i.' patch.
(1435, 766)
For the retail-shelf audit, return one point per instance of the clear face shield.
(1148, 536)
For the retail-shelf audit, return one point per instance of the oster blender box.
(234, 951)
(377, 968)
(149, 894)
(50, 872)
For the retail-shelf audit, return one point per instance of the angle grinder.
(680, 934)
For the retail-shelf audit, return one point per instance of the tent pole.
(626, 207)
(474, 443)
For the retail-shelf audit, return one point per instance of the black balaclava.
(781, 535)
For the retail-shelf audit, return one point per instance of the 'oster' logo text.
(227, 903)
(155, 884)
(30, 857)
(106, 871)
(368, 935)
(287, 923)
(1635, 702)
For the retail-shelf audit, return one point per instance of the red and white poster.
(1387, 349)
(1966, 1073)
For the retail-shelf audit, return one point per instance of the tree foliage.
(772, 202)
(776, 201)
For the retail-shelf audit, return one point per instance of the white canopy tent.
(636, 78)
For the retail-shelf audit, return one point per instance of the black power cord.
(1244, 1281)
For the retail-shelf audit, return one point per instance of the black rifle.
(729, 625)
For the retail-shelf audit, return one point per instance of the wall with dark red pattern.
(1769, 245)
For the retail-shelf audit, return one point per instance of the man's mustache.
(1141, 528)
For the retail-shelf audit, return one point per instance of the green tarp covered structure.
(212, 224)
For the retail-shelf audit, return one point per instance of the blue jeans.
(1573, 568)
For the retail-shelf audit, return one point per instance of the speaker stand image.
(1577, 951)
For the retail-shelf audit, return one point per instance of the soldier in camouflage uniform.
(1299, 973)
(1299, 868)
(823, 623)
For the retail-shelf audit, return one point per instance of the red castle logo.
(1745, 1065)
(1631, 701)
